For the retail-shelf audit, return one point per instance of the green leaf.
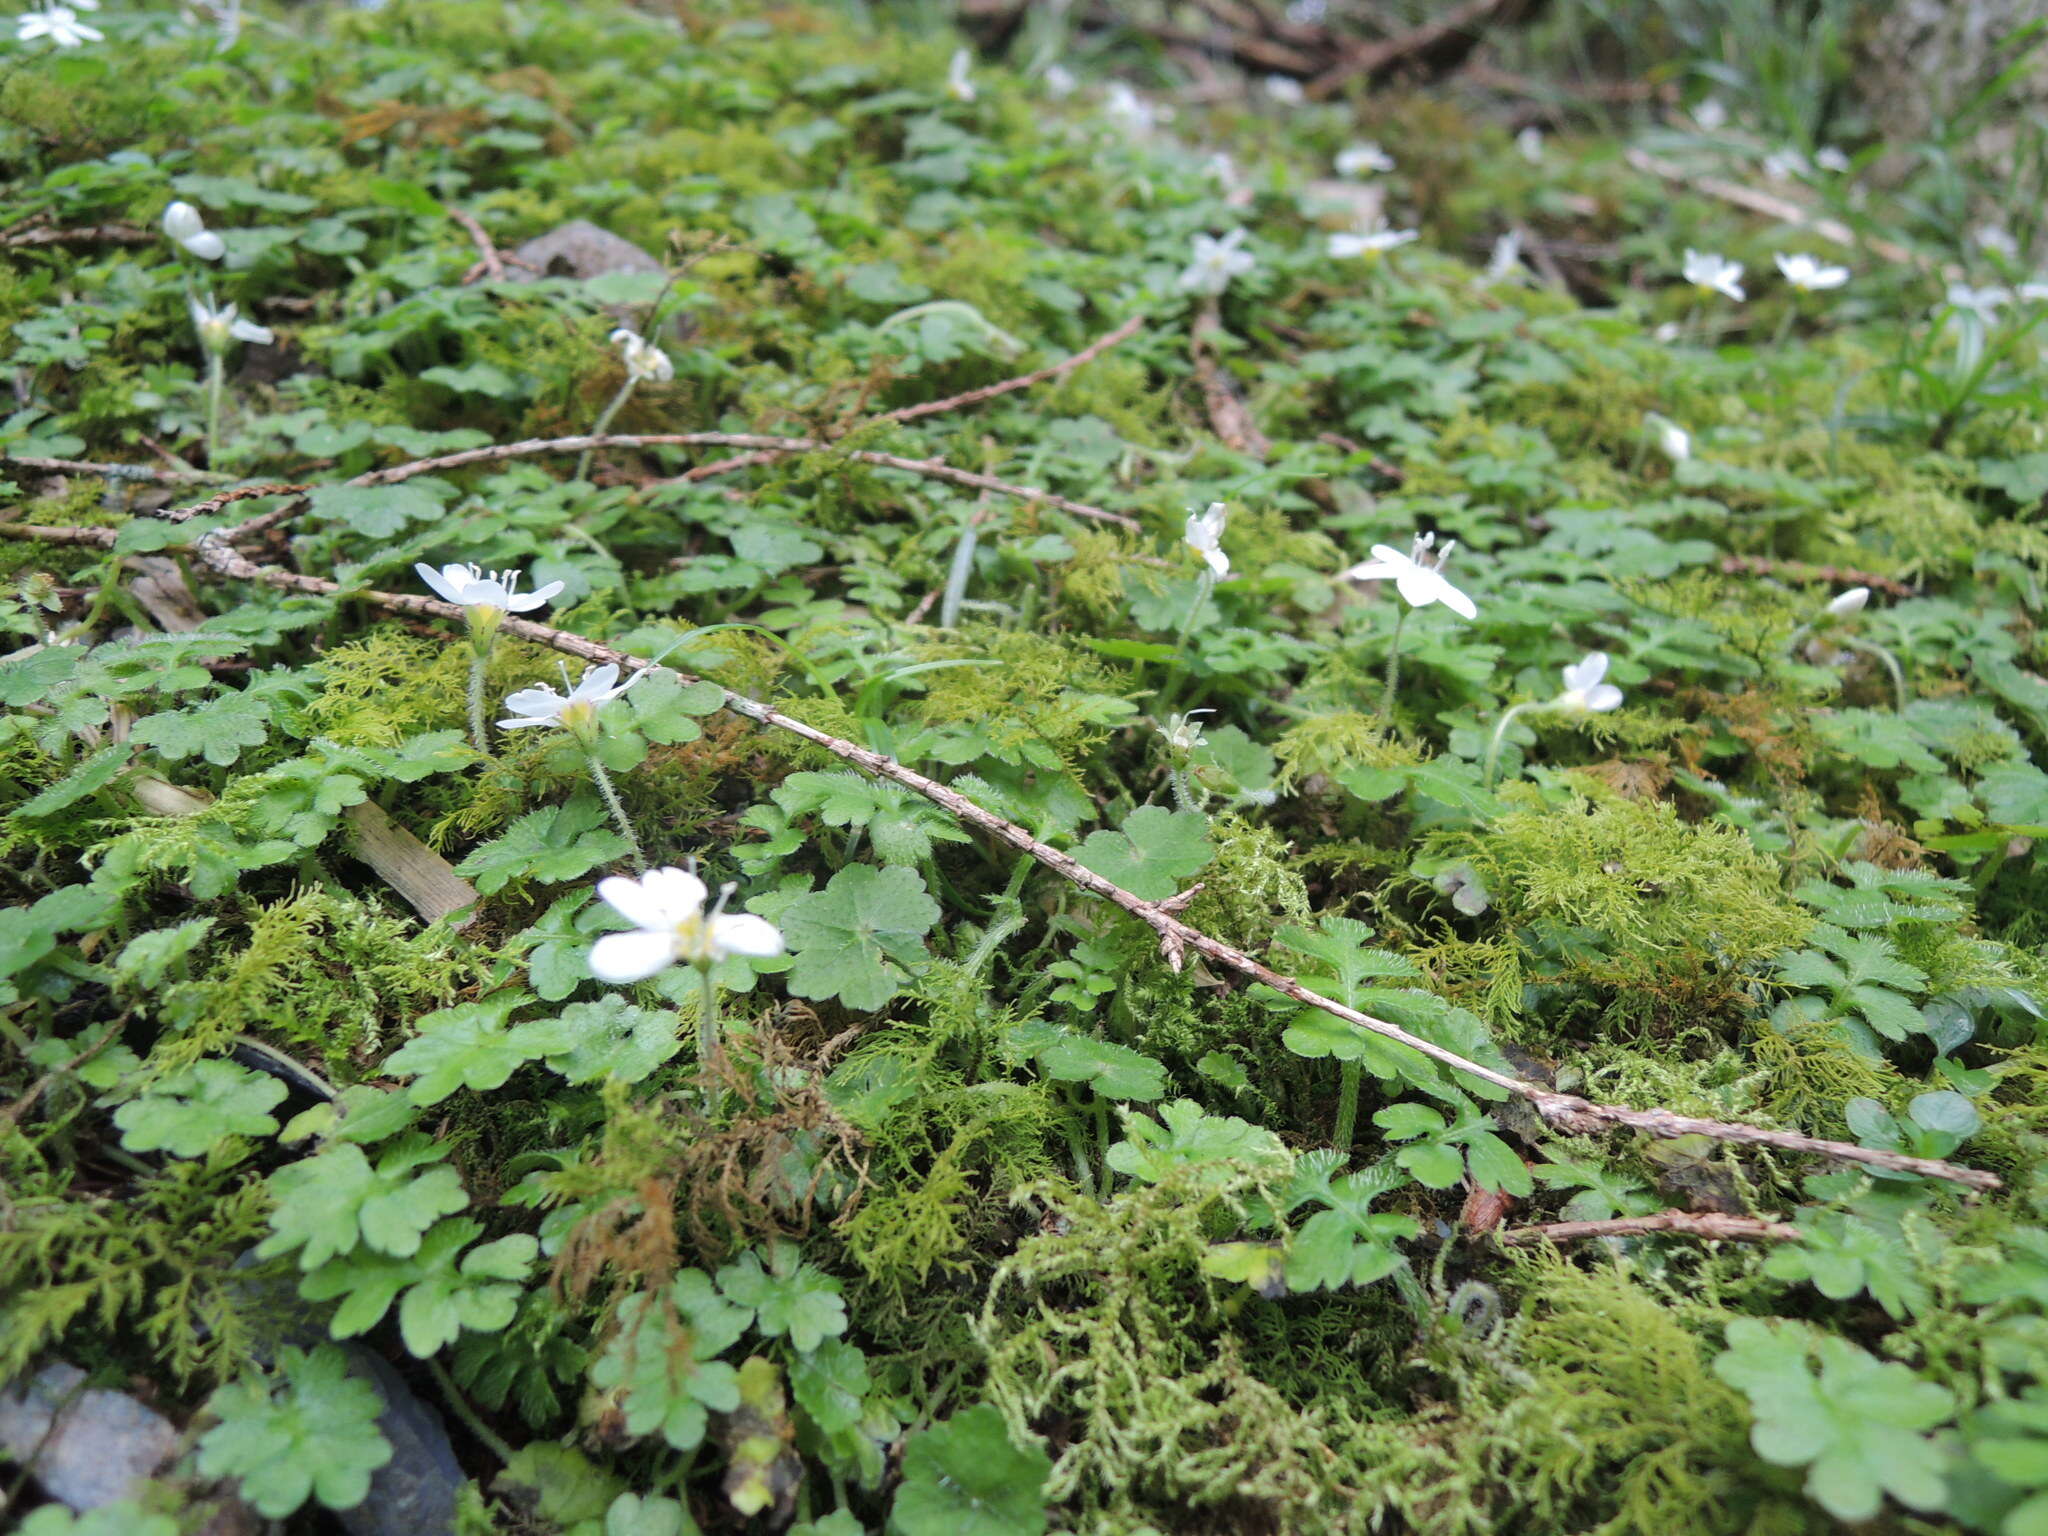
(470, 1046)
(901, 825)
(860, 938)
(552, 844)
(310, 1432)
(376, 511)
(965, 1477)
(220, 728)
(613, 1038)
(663, 1360)
(327, 1204)
(1153, 855)
(188, 1112)
(1858, 1427)
(830, 1384)
(444, 1290)
(1114, 1071)
(86, 779)
(1187, 1136)
(788, 1297)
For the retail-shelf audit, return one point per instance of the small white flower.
(1223, 169)
(184, 225)
(1849, 602)
(1183, 734)
(1979, 304)
(644, 360)
(1417, 576)
(1829, 158)
(1673, 441)
(59, 23)
(1506, 260)
(670, 925)
(1711, 115)
(472, 587)
(1584, 687)
(1529, 142)
(1059, 81)
(1364, 160)
(1286, 90)
(218, 327)
(576, 711)
(1205, 537)
(2034, 292)
(1808, 274)
(1215, 263)
(1127, 109)
(1784, 164)
(1372, 243)
(1996, 240)
(1713, 274)
(959, 85)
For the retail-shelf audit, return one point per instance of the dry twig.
(1711, 1225)
(1087, 354)
(489, 263)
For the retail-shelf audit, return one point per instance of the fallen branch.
(1087, 354)
(1710, 1225)
(118, 471)
(1568, 1112)
(1440, 46)
(1833, 575)
(96, 234)
(489, 263)
(1229, 417)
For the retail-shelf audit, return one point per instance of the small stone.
(85, 1448)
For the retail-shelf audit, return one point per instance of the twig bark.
(489, 263)
(1834, 575)
(97, 234)
(1087, 354)
(1567, 1112)
(117, 471)
(1710, 1225)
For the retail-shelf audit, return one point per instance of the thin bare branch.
(117, 471)
(97, 234)
(1710, 1225)
(1087, 354)
(489, 263)
(1567, 1112)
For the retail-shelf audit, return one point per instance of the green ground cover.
(914, 1184)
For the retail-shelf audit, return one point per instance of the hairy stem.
(604, 420)
(216, 386)
(479, 656)
(1394, 664)
(707, 1034)
(1891, 666)
(1347, 1106)
(603, 781)
(1500, 733)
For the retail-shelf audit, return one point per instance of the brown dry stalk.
(116, 471)
(1567, 1112)
(489, 263)
(1713, 1226)
(1087, 354)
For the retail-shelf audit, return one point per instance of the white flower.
(1673, 441)
(1710, 114)
(1223, 169)
(577, 711)
(1584, 688)
(1506, 259)
(1996, 240)
(1364, 160)
(1205, 537)
(1980, 304)
(1417, 576)
(1183, 734)
(1059, 81)
(644, 360)
(2034, 292)
(1849, 602)
(1783, 164)
(958, 85)
(218, 327)
(1215, 263)
(1713, 274)
(59, 23)
(1530, 144)
(1127, 109)
(1372, 243)
(1829, 158)
(184, 225)
(472, 587)
(666, 909)
(1286, 90)
(1808, 274)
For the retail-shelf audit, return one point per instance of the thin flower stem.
(1891, 665)
(707, 1034)
(478, 657)
(1784, 326)
(1394, 663)
(459, 1406)
(603, 781)
(1184, 798)
(1205, 584)
(216, 386)
(604, 420)
(1347, 1106)
(1500, 733)
(959, 571)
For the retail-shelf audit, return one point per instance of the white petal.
(634, 956)
(1456, 601)
(597, 681)
(540, 700)
(1582, 675)
(680, 893)
(1603, 697)
(249, 330)
(1420, 587)
(515, 725)
(1219, 562)
(437, 582)
(182, 221)
(634, 902)
(526, 602)
(206, 245)
(1372, 570)
(742, 933)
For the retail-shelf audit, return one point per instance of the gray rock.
(577, 249)
(85, 1448)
